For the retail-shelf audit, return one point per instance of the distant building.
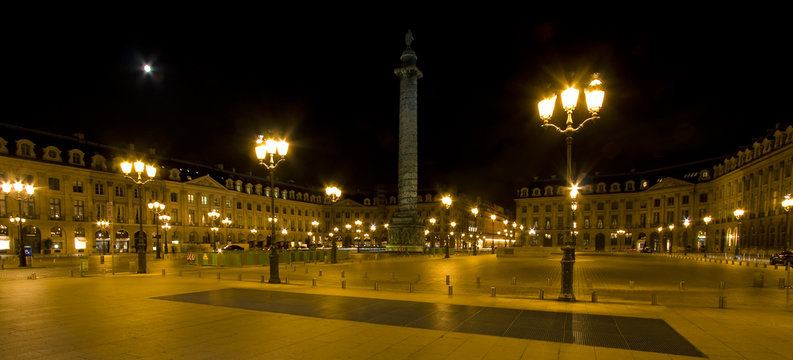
(635, 209)
(79, 182)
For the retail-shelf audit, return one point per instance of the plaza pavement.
(126, 316)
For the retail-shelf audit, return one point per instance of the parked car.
(647, 249)
(232, 248)
(782, 258)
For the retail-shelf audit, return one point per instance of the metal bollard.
(163, 272)
(344, 284)
(262, 278)
(102, 259)
(776, 267)
(682, 285)
(294, 268)
(478, 282)
(514, 280)
(286, 280)
(450, 290)
(722, 302)
(493, 291)
(71, 273)
(375, 286)
(447, 279)
(342, 273)
(218, 275)
(410, 287)
(781, 283)
(631, 284)
(722, 285)
(541, 294)
(654, 299)
(239, 277)
(418, 277)
(320, 272)
(594, 296)
(199, 274)
(314, 282)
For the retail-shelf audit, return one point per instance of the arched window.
(238, 185)
(536, 192)
(629, 185)
(428, 198)
(367, 202)
(524, 192)
(615, 187)
(249, 188)
(601, 187)
(548, 191)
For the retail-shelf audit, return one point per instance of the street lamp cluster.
(266, 151)
(21, 192)
(144, 173)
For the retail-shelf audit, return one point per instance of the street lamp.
(333, 194)
(475, 211)
(226, 223)
(738, 213)
(22, 192)
(157, 208)
(314, 225)
(164, 219)
(264, 148)
(660, 238)
(672, 236)
(214, 215)
(686, 246)
(358, 233)
(446, 201)
(707, 220)
(594, 99)
(150, 171)
(432, 238)
(786, 205)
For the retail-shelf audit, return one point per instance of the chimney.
(219, 166)
(80, 136)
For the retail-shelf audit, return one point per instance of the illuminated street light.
(594, 98)
(334, 194)
(213, 216)
(475, 211)
(446, 201)
(266, 150)
(165, 219)
(150, 171)
(22, 192)
(786, 205)
(738, 213)
(157, 208)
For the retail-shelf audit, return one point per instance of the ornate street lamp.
(475, 211)
(157, 208)
(786, 205)
(226, 223)
(150, 172)
(738, 213)
(686, 245)
(213, 216)
(266, 150)
(707, 220)
(594, 99)
(671, 236)
(165, 219)
(314, 225)
(334, 194)
(432, 238)
(21, 192)
(446, 201)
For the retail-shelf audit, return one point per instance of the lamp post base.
(141, 258)
(274, 278)
(568, 261)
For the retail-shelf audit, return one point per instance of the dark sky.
(678, 89)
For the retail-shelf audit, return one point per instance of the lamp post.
(333, 194)
(214, 215)
(707, 220)
(533, 236)
(21, 192)
(314, 225)
(164, 219)
(264, 148)
(358, 234)
(451, 234)
(446, 201)
(157, 208)
(672, 238)
(103, 225)
(660, 238)
(226, 223)
(786, 205)
(493, 231)
(150, 171)
(432, 238)
(475, 211)
(738, 213)
(620, 233)
(686, 245)
(594, 99)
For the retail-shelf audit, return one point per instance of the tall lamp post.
(707, 220)
(103, 225)
(333, 194)
(475, 211)
(165, 219)
(594, 99)
(264, 148)
(226, 223)
(150, 171)
(157, 208)
(314, 225)
(446, 201)
(671, 236)
(738, 213)
(213, 216)
(686, 245)
(21, 192)
(786, 205)
(432, 238)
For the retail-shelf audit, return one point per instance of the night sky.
(677, 90)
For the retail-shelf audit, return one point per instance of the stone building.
(79, 182)
(621, 212)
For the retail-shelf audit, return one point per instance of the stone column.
(405, 232)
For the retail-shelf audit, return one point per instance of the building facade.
(79, 183)
(665, 209)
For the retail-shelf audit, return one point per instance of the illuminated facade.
(630, 211)
(79, 183)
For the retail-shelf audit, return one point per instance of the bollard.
(71, 273)
(654, 299)
(447, 279)
(101, 259)
(631, 284)
(682, 285)
(375, 286)
(32, 276)
(594, 296)
(549, 281)
(314, 282)
(239, 277)
(781, 283)
(541, 294)
(732, 262)
(320, 272)
(286, 280)
(450, 290)
(722, 302)
(163, 272)
(262, 279)
(294, 268)
(199, 274)
(478, 282)
(776, 267)
(218, 275)
(410, 288)
(765, 266)
(514, 280)
(722, 285)
(342, 273)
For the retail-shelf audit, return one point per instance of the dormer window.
(629, 186)
(25, 148)
(76, 157)
(615, 187)
(601, 187)
(52, 153)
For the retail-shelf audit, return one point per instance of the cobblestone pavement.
(119, 316)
